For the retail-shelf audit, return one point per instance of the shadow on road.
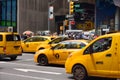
(92, 78)
(53, 65)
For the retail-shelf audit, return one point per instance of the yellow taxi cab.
(58, 53)
(52, 42)
(30, 44)
(10, 45)
(101, 58)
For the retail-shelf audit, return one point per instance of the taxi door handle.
(99, 62)
(108, 55)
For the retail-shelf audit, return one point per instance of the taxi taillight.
(4, 49)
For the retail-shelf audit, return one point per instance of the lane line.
(37, 71)
(18, 75)
(28, 65)
(25, 60)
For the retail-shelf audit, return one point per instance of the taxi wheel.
(79, 72)
(42, 60)
(41, 48)
(13, 57)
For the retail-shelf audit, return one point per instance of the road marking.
(28, 60)
(10, 74)
(33, 70)
(2, 62)
(25, 60)
(27, 65)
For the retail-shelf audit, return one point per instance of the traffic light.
(71, 8)
(76, 7)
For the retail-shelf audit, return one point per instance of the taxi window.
(73, 46)
(61, 46)
(56, 40)
(59, 39)
(37, 39)
(1, 37)
(77, 45)
(99, 46)
(102, 45)
(12, 38)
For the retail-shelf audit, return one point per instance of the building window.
(8, 13)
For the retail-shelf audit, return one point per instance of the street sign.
(72, 0)
(51, 12)
(69, 16)
(70, 19)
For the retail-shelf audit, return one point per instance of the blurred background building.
(40, 15)
(33, 14)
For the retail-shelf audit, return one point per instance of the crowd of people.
(71, 35)
(78, 35)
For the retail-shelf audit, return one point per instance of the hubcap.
(79, 74)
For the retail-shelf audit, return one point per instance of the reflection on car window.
(77, 45)
(35, 39)
(102, 45)
(1, 37)
(12, 38)
(58, 46)
(56, 40)
(99, 46)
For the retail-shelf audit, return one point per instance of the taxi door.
(118, 56)
(59, 52)
(27, 45)
(103, 59)
(2, 43)
(32, 43)
(62, 53)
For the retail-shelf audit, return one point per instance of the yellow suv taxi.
(53, 42)
(10, 45)
(101, 58)
(31, 44)
(58, 53)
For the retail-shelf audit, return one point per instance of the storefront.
(105, 14)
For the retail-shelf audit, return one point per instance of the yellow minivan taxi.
(101, 58)
(10, 45)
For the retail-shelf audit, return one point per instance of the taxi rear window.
(1, 37)
(12, 38)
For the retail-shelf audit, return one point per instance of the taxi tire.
(42, 60)
(41, 48)
(13, 57)
(79, 72)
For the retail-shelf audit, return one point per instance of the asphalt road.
(24, 68)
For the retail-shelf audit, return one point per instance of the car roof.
(8, 33)
(72, 41)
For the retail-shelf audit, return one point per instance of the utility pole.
(50, 12)
(69, 14)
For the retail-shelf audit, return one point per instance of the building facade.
(8, 14)
(33, 15)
